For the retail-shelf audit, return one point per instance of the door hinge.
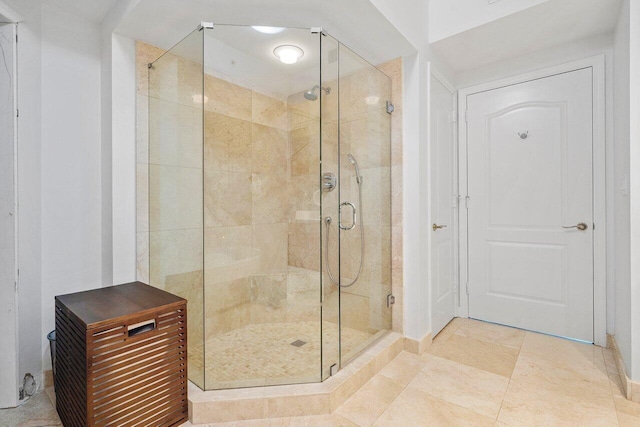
(390, 300)
(17, 112)
(466, 201)
(467, 287)
(390, 107)
(454, 201)
(454, 116)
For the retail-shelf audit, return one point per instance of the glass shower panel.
(365, 203)
(330, 201)
(175, 184)
(261, 207)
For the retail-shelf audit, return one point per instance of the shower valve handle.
(354, 217)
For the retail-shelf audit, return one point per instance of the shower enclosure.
(269, 201)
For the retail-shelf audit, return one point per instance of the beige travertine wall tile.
(227, 143)
(145, 54)
(304, 245)
(271, 242)
(175, 134)
(229, 254)
(268, 111)
(270, 202)
(227, 198)
(222, 296)
(142, 197)
(176, 79)
(142, 128)
(269, 151)
(142, 256)
(172, 204)
(226, 98)
(174, 252)
(355, 311)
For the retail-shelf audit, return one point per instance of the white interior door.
(8, 215)
(443, 203)
(529, 178)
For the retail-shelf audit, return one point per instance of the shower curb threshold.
(216, 406)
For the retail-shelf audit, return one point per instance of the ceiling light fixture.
(267, 30)
(288, 54)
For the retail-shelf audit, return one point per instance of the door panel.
(530, 174)
(442, 205)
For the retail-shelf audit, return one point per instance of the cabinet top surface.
(104, 304)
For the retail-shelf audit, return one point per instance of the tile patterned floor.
(478, 374)
(261, 354)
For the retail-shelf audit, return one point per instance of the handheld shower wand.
(327, 223)
(353, 161)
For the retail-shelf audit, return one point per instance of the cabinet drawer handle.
(141, 328)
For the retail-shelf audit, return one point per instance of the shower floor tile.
(264, 354)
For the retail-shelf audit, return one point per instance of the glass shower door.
(175, 184)
(364, 203)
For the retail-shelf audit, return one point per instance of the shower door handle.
(354, 218)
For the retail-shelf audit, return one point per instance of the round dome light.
(267, 30)
(288, 54)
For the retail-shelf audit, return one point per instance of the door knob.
(580, 226)
(436, 226)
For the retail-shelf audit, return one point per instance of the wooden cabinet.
(121, 357)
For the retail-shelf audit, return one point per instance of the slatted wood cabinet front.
(121, 357)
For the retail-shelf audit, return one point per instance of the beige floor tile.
(37, 411)
(478, 354)
(450, 329)
(563, 352)
(535, 372)
(332, 420)
(366, 405)
(403, 368)
(469, 387)
(540, 408)
(489, 332)
(627, 407)
(415, 408)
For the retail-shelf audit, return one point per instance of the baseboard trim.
(630, 388)
(418, 346)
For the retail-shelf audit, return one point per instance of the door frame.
(9, 326)
(434, 72)
(597, 64)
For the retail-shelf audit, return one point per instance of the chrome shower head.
(311, 95)
(353, 161)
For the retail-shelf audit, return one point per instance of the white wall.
(634, 158)
(621, 188)
(411, 21)
(29, 227)
(71, 159)
(449, 17)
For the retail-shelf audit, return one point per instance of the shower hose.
(327, 223)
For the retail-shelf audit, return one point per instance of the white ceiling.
(356, 23)
(92, 10)
(549, 24)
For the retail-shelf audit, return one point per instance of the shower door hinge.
(466, 201)
(390, 300)
(207, 25)
(454, 116)
(390, 107)
(333, 369)
(467, 287)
